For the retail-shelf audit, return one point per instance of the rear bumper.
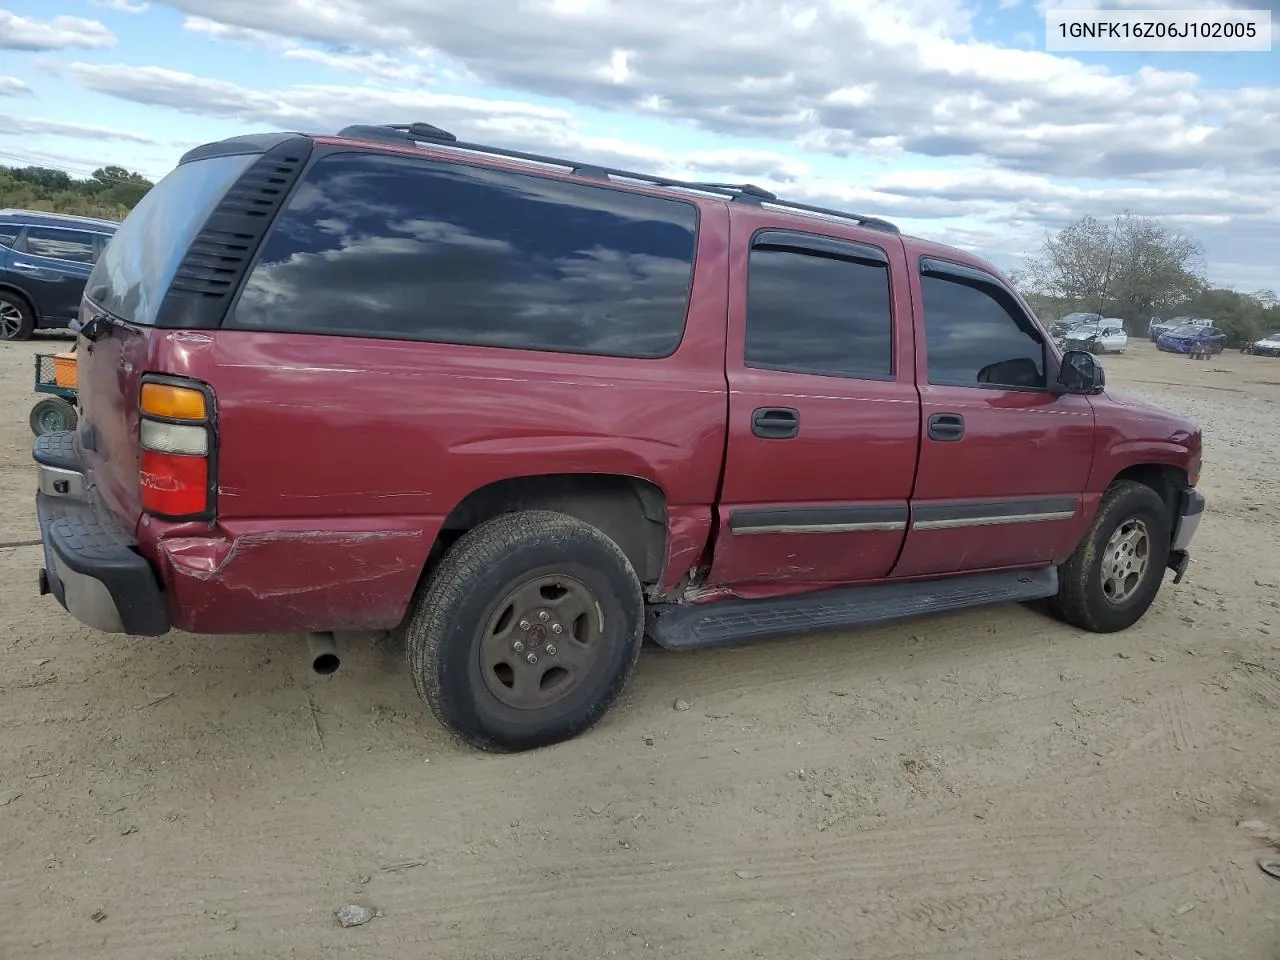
(91, 565)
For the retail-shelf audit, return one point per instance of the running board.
(726, 623)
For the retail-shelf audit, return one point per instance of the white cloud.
(376, 66)
(13, 87)
(122, 6)
(840, 76)
(25, 33)
(224, 31)
(10, 126)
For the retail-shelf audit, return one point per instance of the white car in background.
(1103, 336)
(1268, 346)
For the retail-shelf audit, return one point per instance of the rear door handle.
(946, 427)
(775, 423)
(17, 265)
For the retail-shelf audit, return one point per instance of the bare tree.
(1132, 267)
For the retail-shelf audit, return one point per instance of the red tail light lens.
(174, 485)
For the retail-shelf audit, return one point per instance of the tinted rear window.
(139, 263)
(381, 246)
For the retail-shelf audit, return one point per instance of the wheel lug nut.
(532, 658)
(551, 649)
(525, 624)
(556, 628)
(518, 646)
(544, 616)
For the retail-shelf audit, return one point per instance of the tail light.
(177, 439)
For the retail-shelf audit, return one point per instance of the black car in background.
(45, 259)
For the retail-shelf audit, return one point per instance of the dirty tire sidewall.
(444, 634)
(1080, 600)
(25, 325)
(51, 415)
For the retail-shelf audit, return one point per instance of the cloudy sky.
(945, 116)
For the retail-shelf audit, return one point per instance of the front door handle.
(946, 427)
(775, 423)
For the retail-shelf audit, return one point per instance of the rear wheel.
(16, 319)
(51, 415)
(527, 631)
(1113, 577)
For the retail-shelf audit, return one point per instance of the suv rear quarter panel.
(339, 458)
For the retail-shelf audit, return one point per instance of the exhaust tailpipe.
(323, 650)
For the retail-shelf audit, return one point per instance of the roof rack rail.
(738, 192)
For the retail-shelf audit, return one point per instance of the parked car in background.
(1105, 336)
(525, 411)
(1060, 328)
(1268, 346)
(45, 259)
(1193, 337)
(1157, 326)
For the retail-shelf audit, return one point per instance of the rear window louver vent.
(219, 255)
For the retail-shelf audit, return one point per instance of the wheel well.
(630, 511)
(1165, 480)
(31, 304)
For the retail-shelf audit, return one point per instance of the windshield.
(134, 272)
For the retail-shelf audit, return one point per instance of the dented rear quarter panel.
(340, 458)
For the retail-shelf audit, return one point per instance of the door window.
(76, 246)
(812, 312)
(974, 339)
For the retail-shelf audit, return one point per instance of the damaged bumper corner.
(91, 565)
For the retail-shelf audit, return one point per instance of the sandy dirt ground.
(985, 785)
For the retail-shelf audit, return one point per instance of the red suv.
(526, 411)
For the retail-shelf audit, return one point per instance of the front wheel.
(1113, 577)
(527, 631)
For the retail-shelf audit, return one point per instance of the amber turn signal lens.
(176, 403)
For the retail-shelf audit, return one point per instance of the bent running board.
(726, 623)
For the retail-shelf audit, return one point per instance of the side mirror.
(1081, 374)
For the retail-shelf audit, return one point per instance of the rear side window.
(975, 340)
(825, 315)
(8, 234)
(76, 246)
(135, 270)
(381, 246)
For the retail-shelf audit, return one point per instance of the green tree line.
(1137, 268)
(110, 193)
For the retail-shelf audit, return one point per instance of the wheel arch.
(632, 511)
(1165, 479)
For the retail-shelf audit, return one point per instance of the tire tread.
(470, 558)
(1073, 603)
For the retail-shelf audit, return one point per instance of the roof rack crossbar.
(740, 192)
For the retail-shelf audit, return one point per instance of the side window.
(974, 340)
(74, 245)
(820, 314)
(382, 246)
(8, 234)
